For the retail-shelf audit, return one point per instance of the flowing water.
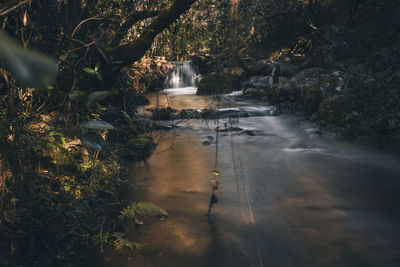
(287, 196)
(184, 75)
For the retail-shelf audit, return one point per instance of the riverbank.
(64, 206)
(329, 76)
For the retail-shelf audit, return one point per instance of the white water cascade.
(184, 79)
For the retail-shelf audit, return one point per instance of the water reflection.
(315, 200)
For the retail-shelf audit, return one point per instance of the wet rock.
(188, 114)
(262, 66)
(229, 129)
(163, 114)
(254, 92)
(288, 69)
(309, 73)
(283, 80)
(259, 82)
(208, 113)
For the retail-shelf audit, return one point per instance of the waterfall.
(184, 75)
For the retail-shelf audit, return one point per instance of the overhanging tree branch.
(132, 52)
(133, 18)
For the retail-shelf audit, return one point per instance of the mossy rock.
(213, 83)
(140, 147)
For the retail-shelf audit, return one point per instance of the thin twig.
(72, 38)
(14, 7)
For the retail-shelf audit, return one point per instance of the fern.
(120, 243)
(139, 209)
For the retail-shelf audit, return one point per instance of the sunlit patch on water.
(306, 149)
(182, 91)
(235, 93)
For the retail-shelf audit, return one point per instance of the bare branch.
(6, 11)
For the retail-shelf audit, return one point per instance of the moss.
(140, 147)
(213, 83)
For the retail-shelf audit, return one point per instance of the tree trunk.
(132, 52)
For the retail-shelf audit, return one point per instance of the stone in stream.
(254, 92)
(259, 82)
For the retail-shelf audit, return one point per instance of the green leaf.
(98, 125)
(89, 70)
(120, 243)
(93, 141)
(97, 96)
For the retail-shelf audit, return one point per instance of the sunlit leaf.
(89, 70)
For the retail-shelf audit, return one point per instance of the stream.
(287, 196)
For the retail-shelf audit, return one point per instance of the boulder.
(287, 69)
(262, 66)
(309, 73)
(259, 82)
(213, 83)
(255, 92)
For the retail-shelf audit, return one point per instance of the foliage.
(213, 83)
(121, 243)
(138, 210)
(201, 30)
(57, 191)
